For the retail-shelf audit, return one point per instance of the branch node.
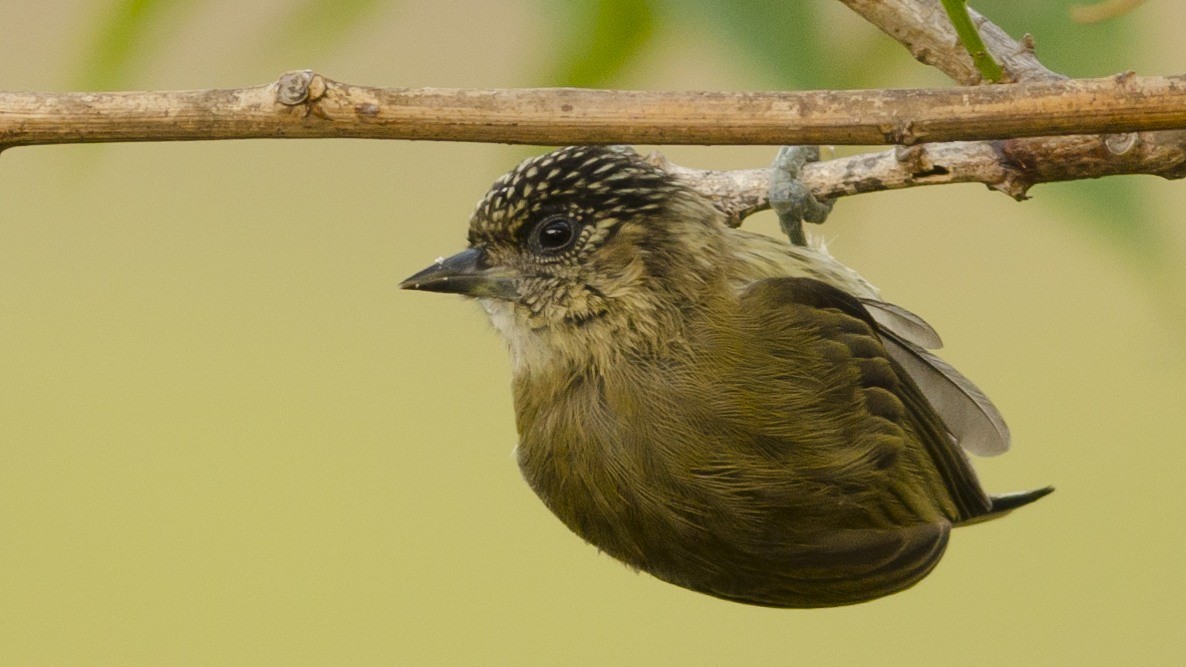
(909, 157)
(657, 159)
(902, 132)
(296, 87)
(922, 54)
(1026, 45)
(1017, 168)
(1013, 184)
(1119, 144)
(1125, 78)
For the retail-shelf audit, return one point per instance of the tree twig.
(961, 20)
(922, 27)
(305, 104)
(1011, 166)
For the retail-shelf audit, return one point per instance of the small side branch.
(922, 27)
(1009, 166)
(961, 20)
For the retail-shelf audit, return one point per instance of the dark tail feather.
(1002, 505)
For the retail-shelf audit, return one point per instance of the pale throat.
(537, 350)
(529, 348)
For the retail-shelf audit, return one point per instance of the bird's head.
(584, 241)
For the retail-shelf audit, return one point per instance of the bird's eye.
(555, 234)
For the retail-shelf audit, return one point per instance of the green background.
(226, 437)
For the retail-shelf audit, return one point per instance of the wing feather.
(903, 323)
(973, 420)
(842, 319)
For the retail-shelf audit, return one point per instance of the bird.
(732, 413)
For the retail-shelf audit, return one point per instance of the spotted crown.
(581, 181)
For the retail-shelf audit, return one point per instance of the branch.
(923, 27)
(961, 20)
(306, 105)
(1010, 166)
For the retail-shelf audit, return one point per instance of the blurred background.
(226, 437)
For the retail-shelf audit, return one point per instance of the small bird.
(730, 412)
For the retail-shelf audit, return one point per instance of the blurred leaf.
(1103, 10)
(602, 38)
(322, 22)
(121, 38)
(1114, 209)
(1110, 207)
(782, 37)
(129, 29)
(1065, 46)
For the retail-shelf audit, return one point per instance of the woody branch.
(1041, 128)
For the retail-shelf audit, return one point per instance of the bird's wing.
(852, 359)
(903, 323)
(972, 418)
(846, 566)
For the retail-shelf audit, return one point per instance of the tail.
(1002, 505)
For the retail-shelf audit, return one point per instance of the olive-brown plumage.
(729, 412)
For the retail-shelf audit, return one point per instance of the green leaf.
(601, 38)
(1114, 209)
(1108, 207)
(782, 37)
(322, 22)
(123, 36)
(1064, 46)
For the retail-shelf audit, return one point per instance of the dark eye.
(555, 234)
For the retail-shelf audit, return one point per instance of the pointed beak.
(468, 273)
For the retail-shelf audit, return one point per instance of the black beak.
(466, 273)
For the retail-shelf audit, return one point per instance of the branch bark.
(305, 104)
(1011, 166)
(922, 27)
